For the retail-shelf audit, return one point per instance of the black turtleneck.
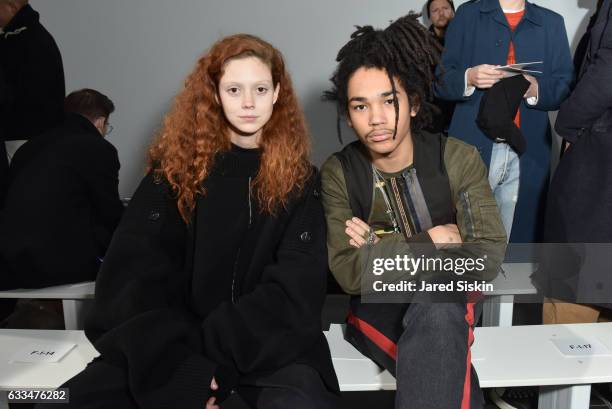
(223, 216)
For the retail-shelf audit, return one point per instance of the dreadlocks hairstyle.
(196, 130)
(406, 51)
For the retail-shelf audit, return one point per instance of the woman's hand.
(210, 403)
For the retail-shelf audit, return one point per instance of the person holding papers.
(215, 279)
(483, 36)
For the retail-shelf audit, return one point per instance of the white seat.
(16, 375)
(498, 306)
(75, 298)
(503, 357)
(78, 291)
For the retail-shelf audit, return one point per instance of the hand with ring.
(360, 233)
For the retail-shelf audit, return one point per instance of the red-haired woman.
(215, 278)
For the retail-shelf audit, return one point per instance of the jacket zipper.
(234, 275)
(234, 298)
(467, 208)
(250, 205)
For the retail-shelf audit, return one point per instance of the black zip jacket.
(145, 319)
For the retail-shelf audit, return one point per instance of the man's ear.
(276, 92)
(349, 122)
(99, 123)
(415, 106)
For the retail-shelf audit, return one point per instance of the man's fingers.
(356, 236)
(488, 74)
(486, 77)
(361, 224)
(213, 384)
(354, 243)
(356, 227)
(486, 83)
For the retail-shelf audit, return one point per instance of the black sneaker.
(514, 398)
(601, 396)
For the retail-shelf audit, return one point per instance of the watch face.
(382, 228)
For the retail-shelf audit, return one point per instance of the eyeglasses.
(109, 128)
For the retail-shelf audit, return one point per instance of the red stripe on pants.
(469, 318)
(374, 335)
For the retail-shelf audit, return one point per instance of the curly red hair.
(195, 131)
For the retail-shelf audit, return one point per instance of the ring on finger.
(370, 237)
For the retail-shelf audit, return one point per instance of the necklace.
(380, 185)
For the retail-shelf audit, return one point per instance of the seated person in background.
(63, 202)
(215, 279)
(401, 188)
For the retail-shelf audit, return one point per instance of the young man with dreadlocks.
(400, 187)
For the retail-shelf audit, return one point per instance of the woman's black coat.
(142, 318)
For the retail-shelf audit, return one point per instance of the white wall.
(139, 51)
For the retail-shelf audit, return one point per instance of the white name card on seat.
(44, 352)
(580, 347)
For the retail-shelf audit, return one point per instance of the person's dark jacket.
(441, 120)
(144, 319)
(34, 73)
(581, 190)
(61, 208)
(583, 44)
(3, 158)
(32, 86)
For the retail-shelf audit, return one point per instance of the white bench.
(74, 299)
(503, 357)
(16, 375)
(498, 306)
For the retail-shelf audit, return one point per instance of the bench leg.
(74, 313)
(497, 311)
(565, 397)
(3, 400)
